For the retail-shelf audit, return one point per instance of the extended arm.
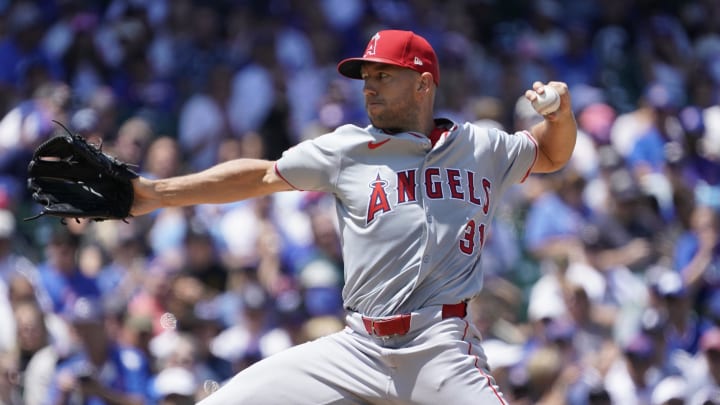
(226, 182)
(556, 134)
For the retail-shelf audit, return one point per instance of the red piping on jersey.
(277, 171)
(477, 366)
(534, 141)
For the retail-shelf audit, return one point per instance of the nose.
(368, 88)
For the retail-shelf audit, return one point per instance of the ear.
(424, 82)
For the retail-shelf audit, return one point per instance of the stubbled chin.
(376, 108)
(373, 114)
(376, 119)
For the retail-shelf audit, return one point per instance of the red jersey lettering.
(433, 188)
(483, 202)
(378, 199)
(455, 184)
(486, 190)
(406, 186)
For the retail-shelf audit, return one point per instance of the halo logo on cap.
(372, 46)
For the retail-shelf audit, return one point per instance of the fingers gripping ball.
(547, 102)
(71, 178)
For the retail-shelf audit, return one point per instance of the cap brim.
(351, 67)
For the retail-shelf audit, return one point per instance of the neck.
(425, 128)
(424, 122)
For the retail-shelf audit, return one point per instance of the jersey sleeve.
(311, 165)
(518, 153)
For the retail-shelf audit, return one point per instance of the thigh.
(336, 369)
(452, 368)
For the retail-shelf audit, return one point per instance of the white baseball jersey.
(413, 216)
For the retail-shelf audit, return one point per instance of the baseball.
(547, 102)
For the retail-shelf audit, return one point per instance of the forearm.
(557, 133)
(555, 136)
(226, 182)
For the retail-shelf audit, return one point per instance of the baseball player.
(414, 198)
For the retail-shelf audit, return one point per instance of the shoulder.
(492, 134)
(483, 129)
(350, 131)
(346, 135)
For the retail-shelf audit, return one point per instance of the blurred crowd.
(602, 280)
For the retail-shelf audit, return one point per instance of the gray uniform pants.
(439, 362)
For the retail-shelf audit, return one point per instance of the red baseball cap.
(400, 48)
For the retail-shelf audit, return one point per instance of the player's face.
(390, 96)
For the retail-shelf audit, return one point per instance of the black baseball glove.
(71, 178)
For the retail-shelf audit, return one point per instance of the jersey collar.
(443, 128)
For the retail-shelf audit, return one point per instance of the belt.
(400, 324)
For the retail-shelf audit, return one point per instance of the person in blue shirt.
(99, 371)
(697, 254)
(60, 276)
(555, 219)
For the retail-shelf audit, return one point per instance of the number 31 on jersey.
(473, 237)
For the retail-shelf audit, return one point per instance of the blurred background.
(602, 280)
